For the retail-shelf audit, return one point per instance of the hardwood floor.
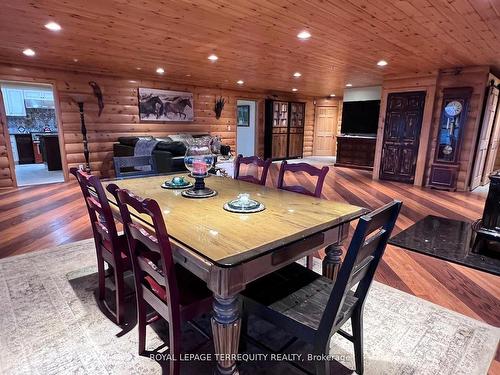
(50, 215)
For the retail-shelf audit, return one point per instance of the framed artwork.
(243, 115)
(164, 105)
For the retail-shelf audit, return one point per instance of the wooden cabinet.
(284, 129)
(49, 146)
(355, 151)
(13, 102)
(24, 146)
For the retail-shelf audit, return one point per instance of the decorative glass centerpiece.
(243, 204)
(198, 160)
(177, 182)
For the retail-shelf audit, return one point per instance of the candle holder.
(198, 160)
(244, 204)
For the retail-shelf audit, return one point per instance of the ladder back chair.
(310, 170)
(255, 161)
(174, 293)
(110, 247)
(134, 166)
(314, 308)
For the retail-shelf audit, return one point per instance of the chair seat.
(297, 293)
(191, 288)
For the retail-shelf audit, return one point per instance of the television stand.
(356, 151)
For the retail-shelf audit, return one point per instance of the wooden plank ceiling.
(254, 40)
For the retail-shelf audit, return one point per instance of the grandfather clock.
(446, 164)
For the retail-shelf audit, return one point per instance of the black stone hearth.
(450, 240)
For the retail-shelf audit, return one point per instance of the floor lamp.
(79, 100)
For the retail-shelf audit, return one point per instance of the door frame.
(338, 105)
(425, 130)
(60, 130)
(258, 104)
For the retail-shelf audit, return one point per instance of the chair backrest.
(304, 168)
(252, 160)
(134, 166)
(100, 214)
(143, 243)
(363, 256)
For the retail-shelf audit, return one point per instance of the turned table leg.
(332, 261)
(226, 325)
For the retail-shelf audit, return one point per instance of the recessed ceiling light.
(332, 95)
(75, 60)
(53, 26)
(240, 82)
(348, 85)
(213, 57)
(382, 63)
(138, 68)
(297, 74)
(188, 75)
(132, 81)
(304, 35)
(295, 90)
(160, 70)
(29, 52)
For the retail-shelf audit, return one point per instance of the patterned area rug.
(50, 323)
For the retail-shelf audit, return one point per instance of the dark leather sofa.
(169, 155)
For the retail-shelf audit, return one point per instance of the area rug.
(50, 323)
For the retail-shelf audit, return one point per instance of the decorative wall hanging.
(98, 95)
(219, 106)
(243, 115)
(79, 99)
(164, 105)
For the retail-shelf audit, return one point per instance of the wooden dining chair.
(311, 171)
(253, 161)
(173, 292)
(110, 247)
(313, 307)
(134, 166)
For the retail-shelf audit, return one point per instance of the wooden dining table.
(230, 250)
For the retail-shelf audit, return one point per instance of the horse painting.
(177, 107)
(151, 105)
(163, 105)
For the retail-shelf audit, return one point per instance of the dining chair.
(173, 292)
(134, 166)
(111, 248)
(254, 161)
(313, 307)
(310, 170)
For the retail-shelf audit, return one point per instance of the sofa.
(168, 153)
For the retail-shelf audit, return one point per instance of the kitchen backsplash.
(36, 120)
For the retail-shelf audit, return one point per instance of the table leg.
(332, 261)
(226, 325)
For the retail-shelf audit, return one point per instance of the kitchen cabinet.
(14, 102)
(38, 95)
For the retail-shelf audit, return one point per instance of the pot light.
(297, 74)
(132, 81)
(295, 90)
(213, 57)
(382, 63)
(29, 52)
(160, 70)
(240, 82)
(75, 60)
(332, 95)
(138, 68)
(53, 26)
(348, 85)
(304, 35)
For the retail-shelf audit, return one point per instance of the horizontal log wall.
(121, 117)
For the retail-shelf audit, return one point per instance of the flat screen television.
(360, 118)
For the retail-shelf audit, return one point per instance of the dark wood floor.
(44, 216)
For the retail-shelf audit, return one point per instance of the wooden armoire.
(284, 129)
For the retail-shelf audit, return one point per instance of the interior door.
(489, 166)
(484, 137)
(325, 130)
(403, 121)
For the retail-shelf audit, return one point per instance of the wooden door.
(489, 166)
(403, 121)
(325, 130)
(484, 137)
